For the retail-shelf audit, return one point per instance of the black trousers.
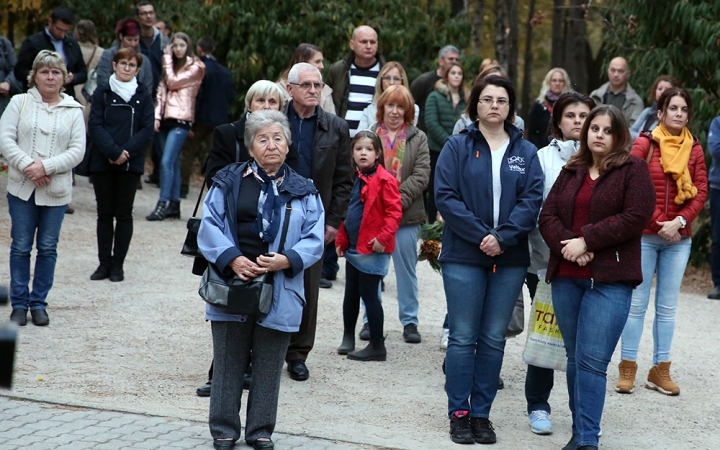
(362, 285)
(114, 195)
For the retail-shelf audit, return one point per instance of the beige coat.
(177, 91)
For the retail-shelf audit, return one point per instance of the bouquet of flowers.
(431, 237)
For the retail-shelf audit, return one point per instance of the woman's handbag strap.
(288, 210)
(197, 203)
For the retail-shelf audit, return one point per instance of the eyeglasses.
(124, 64)
(393, 79)
(488, 101)
(307, 85)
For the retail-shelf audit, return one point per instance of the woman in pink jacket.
(174, 114)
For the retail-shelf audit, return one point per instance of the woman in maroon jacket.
(592, 222)
(677, 167)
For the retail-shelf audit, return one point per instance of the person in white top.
(568, 116)
(42, 136)
(391, 73)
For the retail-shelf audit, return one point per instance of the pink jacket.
(177, 91)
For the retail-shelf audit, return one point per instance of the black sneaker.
(460, 431)
(483, 430)
(364, 334)
(714, 294)
(411, 335)
(325, 283)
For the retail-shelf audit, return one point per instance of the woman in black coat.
(120, 126)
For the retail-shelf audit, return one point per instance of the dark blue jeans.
(591, 320)
(715, 227)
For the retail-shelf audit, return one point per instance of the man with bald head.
(353, 78)
(618, 92)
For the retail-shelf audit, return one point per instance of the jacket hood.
(565, 148)
(293, 183)
(65, 100)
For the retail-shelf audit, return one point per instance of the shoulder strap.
(237, 144)
(288, 210)
(93, 54)
(650, 152)
(197, 203)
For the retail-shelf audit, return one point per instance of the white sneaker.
(444, 338)
(540, 422)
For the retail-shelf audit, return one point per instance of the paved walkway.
(27, 424)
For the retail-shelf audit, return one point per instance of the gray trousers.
(232, 342)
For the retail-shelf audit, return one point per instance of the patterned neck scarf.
(394, 151)
(269, 205)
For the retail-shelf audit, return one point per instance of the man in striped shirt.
(353, 78)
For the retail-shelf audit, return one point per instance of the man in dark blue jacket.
(714, 180)
(212, 108)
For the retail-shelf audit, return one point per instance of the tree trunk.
(457, 7)
(430, 6)
(477, 26)
(576, 46)
(512, 42)
(526, 97)
(500, 36)
(558, 33)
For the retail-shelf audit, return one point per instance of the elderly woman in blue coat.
(243, 217)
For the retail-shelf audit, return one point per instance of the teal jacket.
(440, 116)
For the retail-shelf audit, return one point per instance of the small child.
(367, 239)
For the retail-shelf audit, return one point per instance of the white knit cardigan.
(32, 130)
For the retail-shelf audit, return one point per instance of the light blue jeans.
(591, 319)
(27, 218)
(171, 140)
(405, 261)
(480, 304)
(668, 261)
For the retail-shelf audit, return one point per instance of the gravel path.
(143, 346)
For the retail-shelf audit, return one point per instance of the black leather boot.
(348, 343)
(173, 211)
(160, 211)
(375, 351)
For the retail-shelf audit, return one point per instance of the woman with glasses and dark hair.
(488, 188)
(592, 221)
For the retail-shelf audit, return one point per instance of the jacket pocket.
(60, 184)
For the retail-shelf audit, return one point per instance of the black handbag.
(237, 296)
(83, 169)
(190, 246)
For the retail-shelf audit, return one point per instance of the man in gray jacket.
(618, 92)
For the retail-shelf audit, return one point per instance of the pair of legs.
(27, 219)
(302, 341)
(114, 195)
(232, 345)
(171, 140)
(591, 317)
(196, 147)
(480, 304)
(366, 286)
(668, 261)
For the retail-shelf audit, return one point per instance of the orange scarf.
(674, 157)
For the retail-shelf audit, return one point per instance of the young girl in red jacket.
(367, 239)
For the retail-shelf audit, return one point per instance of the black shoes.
(173, 211)
(501, 383)
(70, 210)
(483, 430)
(222, 444)
(325, 283)
(460, 431)
(100, 273)
(348, 343)
(571, 445)
(116, 273)
(411, 335)
(263, 445)
(153, 179)
(364, 334)
(160, 212)
(714, 294)
(40, 317)
(375, 351)
(205, 390)
(19, 316)
(298, 370)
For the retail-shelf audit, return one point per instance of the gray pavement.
(35, 425)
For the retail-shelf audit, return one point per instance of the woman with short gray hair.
(244, 220)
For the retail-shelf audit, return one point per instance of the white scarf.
(125, 89)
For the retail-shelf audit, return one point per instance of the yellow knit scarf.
(674, 157)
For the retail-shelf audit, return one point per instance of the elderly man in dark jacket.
(55, 38)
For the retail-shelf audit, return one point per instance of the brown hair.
(303, 53)
(385, 69)
(463, 89)
(85, 32)
(668, 94)
(494, 80)
(666, 78)
(127, 54)
(399, 95)
(620, 136)
(565, 100)
(189, 52)
(377, 143)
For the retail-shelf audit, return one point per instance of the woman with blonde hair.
(556, 83)
(391, 73)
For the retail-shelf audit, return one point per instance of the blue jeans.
(27, 218)
(591, 320)
(480, 304)
(171, 140)
(668, 260)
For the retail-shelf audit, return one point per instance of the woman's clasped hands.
(575, 250)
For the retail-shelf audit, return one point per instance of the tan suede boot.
(659, 379)
(626, 383)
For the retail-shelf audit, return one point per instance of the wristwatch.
(683, 222)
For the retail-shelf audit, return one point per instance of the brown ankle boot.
(626, 383)
(659, 379)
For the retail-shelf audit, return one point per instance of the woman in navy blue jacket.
(488, 189)
(120, 126)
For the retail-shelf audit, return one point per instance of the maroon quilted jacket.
(621, 205)
(666, 188)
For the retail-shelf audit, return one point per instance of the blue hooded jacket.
(464, 197)
(217, 240)
(713, 141)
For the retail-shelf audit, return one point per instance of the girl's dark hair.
(565, 100)
(376, 142)
(462, 89)
(620, 136)
(668, 94)
(480, 85)
(666, 78)
(302, 53)
(85, 32)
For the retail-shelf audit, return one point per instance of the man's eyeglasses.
(307, 85)
(393, 79)
(488, 101)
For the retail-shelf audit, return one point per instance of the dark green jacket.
(339, 81)
(440, 116)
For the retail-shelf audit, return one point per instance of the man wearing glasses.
(54, 37)
(320, 151)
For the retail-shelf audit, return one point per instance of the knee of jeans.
(638, 308)
(462, 337)
(593, 364)
(665, 312)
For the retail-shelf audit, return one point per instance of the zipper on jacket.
(617, 255)
(592, 283)
(132, 125)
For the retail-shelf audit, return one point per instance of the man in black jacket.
(55, 38)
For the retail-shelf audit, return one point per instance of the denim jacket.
(217, 240)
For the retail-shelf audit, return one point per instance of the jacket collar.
(565, 148)
(293, 184)
(322, 118)
(648, 134)
(65, 100)
(512, 131)
(349, 58)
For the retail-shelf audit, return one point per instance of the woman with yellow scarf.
(677, 166)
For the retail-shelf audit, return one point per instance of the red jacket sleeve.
(393, 210)
(698, 172)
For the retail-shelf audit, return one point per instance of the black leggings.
(359, 284)
(114, 195)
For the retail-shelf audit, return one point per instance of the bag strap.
(650, 152)
(197, 203)
(288, 210)
(93, 55)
